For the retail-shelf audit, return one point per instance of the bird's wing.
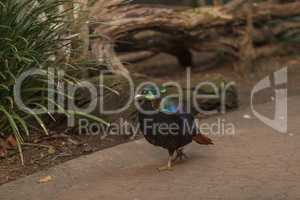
(191, 127)
(188, 123)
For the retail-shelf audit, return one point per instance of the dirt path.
(255, 163)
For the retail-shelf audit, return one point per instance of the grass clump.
(30, 36)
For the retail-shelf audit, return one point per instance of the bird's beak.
(139, 97)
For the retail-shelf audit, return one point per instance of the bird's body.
(171, 131)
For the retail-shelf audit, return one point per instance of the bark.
(247, 51)
(217, 28)
(133, 57)
(82, 28)
(78, 15)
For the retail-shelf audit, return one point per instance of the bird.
(164, 126)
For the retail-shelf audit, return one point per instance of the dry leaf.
(3, 152)
(3, 148)
(74, 142)
(51, 150)
(45, 179)
(11, 141)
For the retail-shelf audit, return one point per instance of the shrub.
(30, 35)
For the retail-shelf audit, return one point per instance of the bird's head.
(150, 94)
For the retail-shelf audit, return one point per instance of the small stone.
(247, 116)
(272, 98)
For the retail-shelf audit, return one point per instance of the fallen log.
(218, 29)
(134, 57)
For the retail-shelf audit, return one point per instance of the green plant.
(30, 35)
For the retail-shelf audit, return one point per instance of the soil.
(48, 151)
(61, 146)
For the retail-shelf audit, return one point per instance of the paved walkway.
(257, 163)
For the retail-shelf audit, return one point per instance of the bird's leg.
(180, 155)
(168, 166)
(183, 155)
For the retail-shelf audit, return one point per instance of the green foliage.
(30, 32)
(30, 35)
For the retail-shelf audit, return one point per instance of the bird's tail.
(202, 139)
